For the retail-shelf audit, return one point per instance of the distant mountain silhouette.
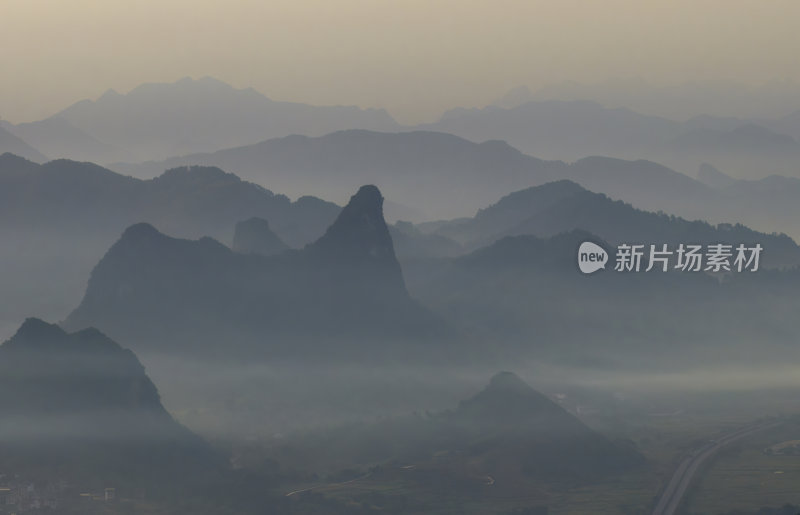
(770, 204)
(53, 373)
(434, 173)
(155, 121)
(525, 295)
(62, 216)
(10, 143)
(449, 177)
(57, 138)
(747, 139)
(254, 236)
(511, 425)
(79, 407)
(719, 98)
(565, 130)
(191, 201)
(787, 124)
(564, 206)
(570, 129)
(506, 436)
(345, 287)
(411, 243)
(711, 176)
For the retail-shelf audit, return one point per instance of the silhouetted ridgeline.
(57, 220)
(434, 173)
(347, 287)
(506, 431)
(573, 129)
(441, 176)
(190, 201)
(525, 295)
(11, 143)
(563, 206)
(80, 408)
(155, 121)
(517, 427)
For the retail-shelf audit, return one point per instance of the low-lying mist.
(236, 399)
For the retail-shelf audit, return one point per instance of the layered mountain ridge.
(78, 406)
(346, 285)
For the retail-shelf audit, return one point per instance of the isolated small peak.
(140, 231)
(36, 329)
(507, 381)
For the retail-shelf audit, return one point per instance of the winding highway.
(682, 477)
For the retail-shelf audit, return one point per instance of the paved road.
(682, 477)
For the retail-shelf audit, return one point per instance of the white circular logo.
(591, 257)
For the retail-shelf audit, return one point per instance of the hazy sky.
(413, 57)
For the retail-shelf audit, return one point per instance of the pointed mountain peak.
(508, 382)
(37, 335)
(368, 198)
(35, 330)
(140, 232)
(360, 233)
(507, 399)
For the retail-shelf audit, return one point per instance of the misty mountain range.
(48, 208)
(305, 156)
(82, 405)
(13, 144)
(563, 206)
(158, 121)
(717, 98)
(342, 290)
(199, 293)
(413, 168)
(195, 268)
(439, 176)
(521, 294)
(570, 130)
(77, 210)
